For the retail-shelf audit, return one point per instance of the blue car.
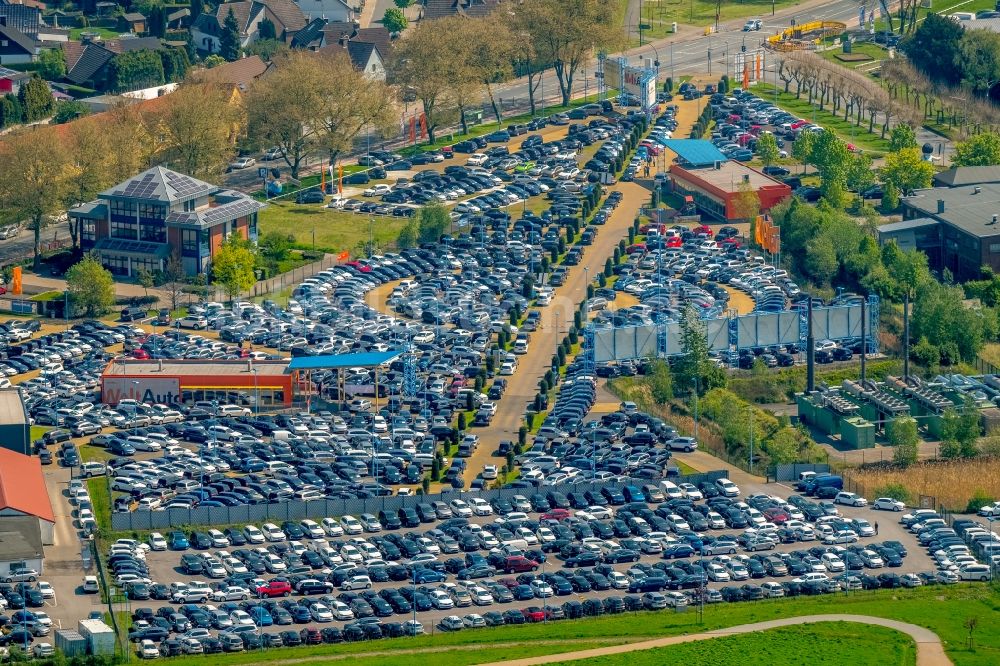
(424, 575)
(179, 541)
(260, 616)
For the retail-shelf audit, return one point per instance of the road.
(930, 652)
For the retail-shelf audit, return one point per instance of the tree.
(267, 49)
(934, 48)
(315, 102)
(491, 49)
(802, 149)
(145, 279)
(902, 136)
(403, 4)
(890, 197)
(821, 260)
(767, 149)
(266, 30)
(52, 64)
(746, 204)
(69, 111)
(783, 446)
(229, 40)
(566, 33)
(213, 60)
(860, 174)
(830, 156)
(275, 245)
(196, 7)
(175, 64)
(407, 236)
(394, 20)
(660, 381)
(526, 60)
(173, 280)
(201, 124)
(433, 221)
(91, 169)
(91, 286)
(979, 150)
(907, 170)
(10, 111)
(979, 53)
(695, 369)
(903, 437)
(36, 99)
(419, 63)
(35, 165)
(232, 266)
(133, 70)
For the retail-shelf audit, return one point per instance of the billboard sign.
(165, 390)
(748, 67)
(636, 82)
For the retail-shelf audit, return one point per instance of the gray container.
(100, 637)
(70, 643)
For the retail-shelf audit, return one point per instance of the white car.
(312, 529)
(351, 525)
(850, 499)
(272, 532)
(833, 563)
(461, 509)
(477, 159)
(356, 583)
(332, 527)
(490, 472)
(480, 507)
(441, 600)
(156, 541)
(377, 190)
(727, 488)
(888, 504)
(691, 491)
(148, 649)
(253, 534)
(48, 592)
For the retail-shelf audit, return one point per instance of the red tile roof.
(22, 486)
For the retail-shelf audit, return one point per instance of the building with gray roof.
(144, 221)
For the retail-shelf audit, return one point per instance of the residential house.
(132, 22)
(144, 221)
(239, 74)
(331, 10)
(179, 18)
(23, 18)
(87, 61)
(364, 56)
(433, 9)
(286, 16)
(11, 80)
(15, 46)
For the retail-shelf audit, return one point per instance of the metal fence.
(791, 472)
(298, 510)
(273, 285)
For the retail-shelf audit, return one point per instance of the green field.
(105, 33)
(845, 129)
(944, 610)
(872, 50)
(659, 14)
(333, 230)
(823, 644)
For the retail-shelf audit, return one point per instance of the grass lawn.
(94, 453)
(38, 430)
(685, 468)
(990, 353)
(105, 33)
(870, 49)
(332, 230)
(845, 129)
(828, 643)
(101, 499)
(659, 14)
(944, 610)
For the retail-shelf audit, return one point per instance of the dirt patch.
(739, 300)
(853, 57)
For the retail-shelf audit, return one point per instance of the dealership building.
(268, 384)
(715, 182)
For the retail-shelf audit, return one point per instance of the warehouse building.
(27, 520)
(264, 383)
(958, 228)
(15, 427)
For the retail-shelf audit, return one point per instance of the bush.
(896, 491)
(978, 501)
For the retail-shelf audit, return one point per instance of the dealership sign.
(164, 390)
(636, 82)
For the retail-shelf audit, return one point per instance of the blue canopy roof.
(696, 152)
(333, 361)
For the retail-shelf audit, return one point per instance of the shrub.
(978, 500)
(896, 491)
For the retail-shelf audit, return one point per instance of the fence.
(279, 282)
(791, 472)
(298, 510)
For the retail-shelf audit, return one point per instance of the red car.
(140, 354)
(533, 614)
(275, 588)
(675, 241)
(555, 514)
(702, 230)
(638, 247)
(519, 564)
(776, 515)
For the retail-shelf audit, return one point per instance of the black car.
(841, 354)
(310, 196)
(776, 171)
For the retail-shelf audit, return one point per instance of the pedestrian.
(876, 528)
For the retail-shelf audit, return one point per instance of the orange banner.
(344, 256)
(423, 125)
(15, 282)
(340, 179)
(766, 234)
(413, 129)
